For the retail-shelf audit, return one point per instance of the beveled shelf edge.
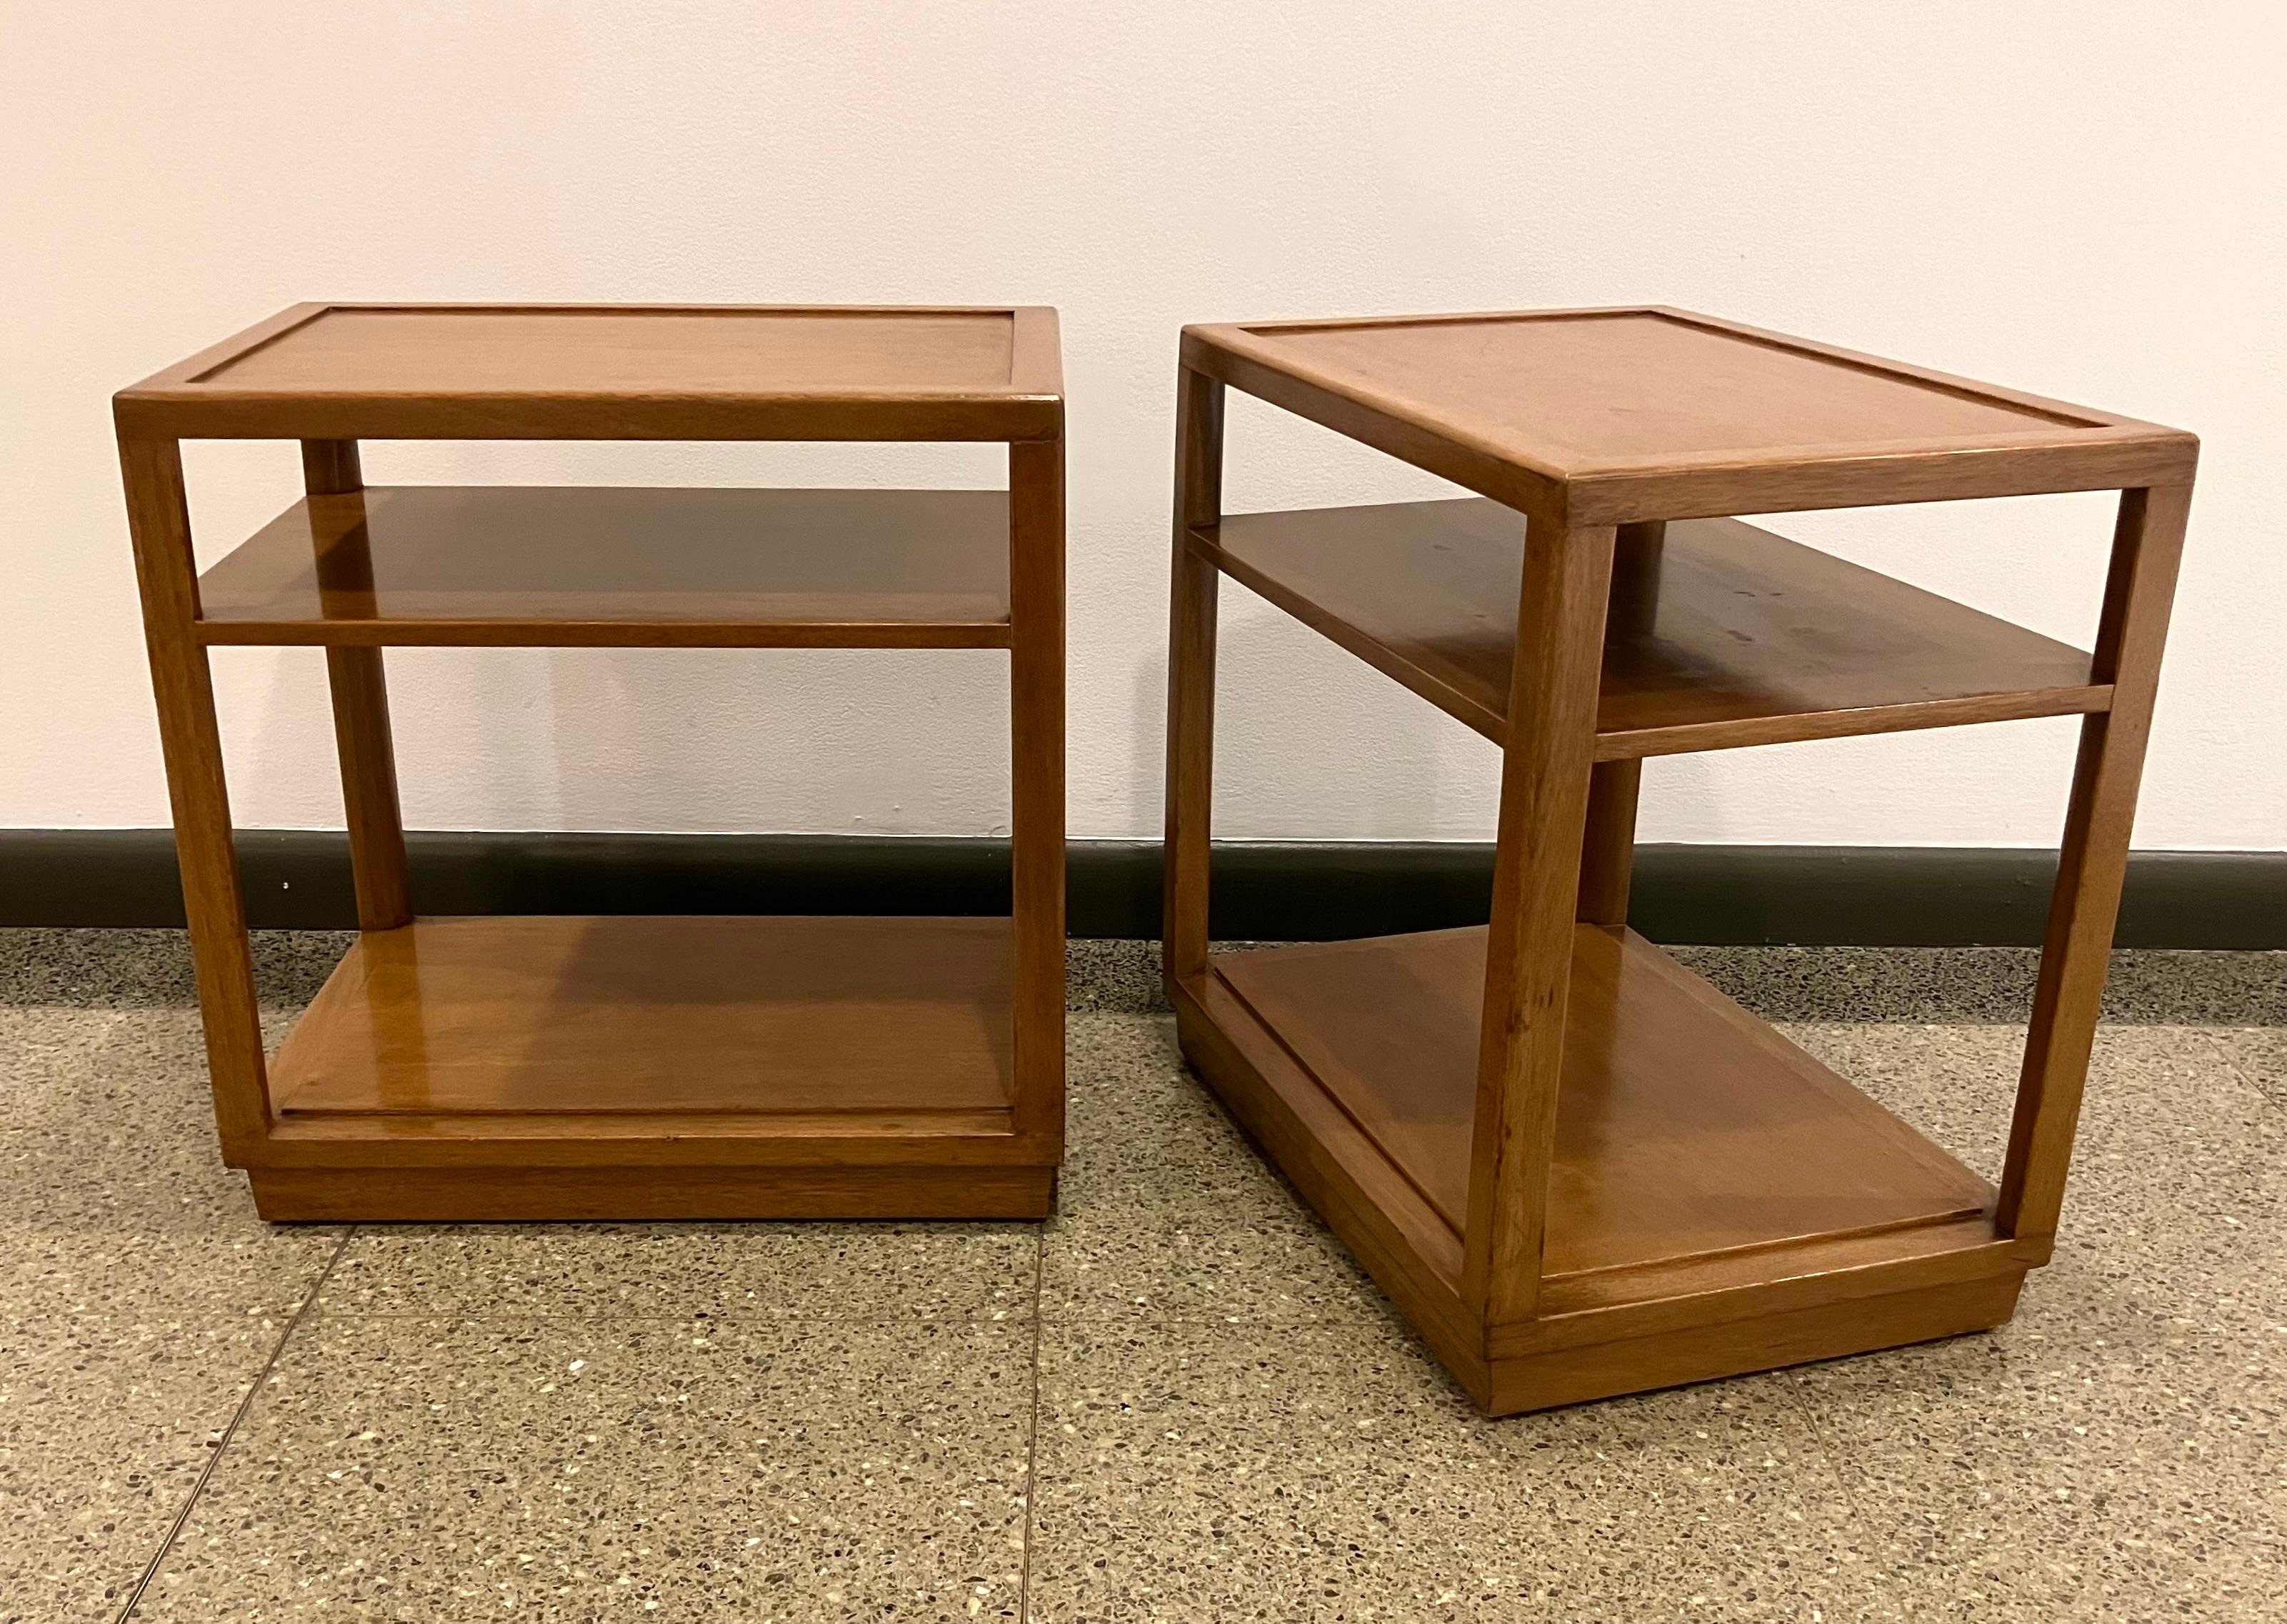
(602, 634)
(1688, 739)
(1634, 744)
(331, 1139)
(451, 1195)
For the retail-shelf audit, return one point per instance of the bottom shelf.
(1686, 1127)
(1718, 1202)
(526, 1015)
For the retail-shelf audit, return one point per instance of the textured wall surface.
(2080, 199)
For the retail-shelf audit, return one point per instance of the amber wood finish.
(1544, 801)
(1036, 548)
(159, 519)
(1760, 1342)
(1651, 1325)
(2139, 592)
(428, 1195)
(1578, 1170)
(623, 1067)
(331, 468)
(1609, 841)
(1685, 1128)
(567, 1015)
(538, 565)
(1607, 416)
(1751, 640)
(1191, 613)
(615, 372)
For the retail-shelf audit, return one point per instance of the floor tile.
(876, 1271)
(1299, 1473)
(2259, 1054)
(1131, 1102)
(557, 1469)
(113, 1196)
(2180, 1168)
(1164, 1208)
(106, 1422)
(2133, 1475)
(2146, 987)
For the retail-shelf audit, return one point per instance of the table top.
(356, 371)
(1647, 412)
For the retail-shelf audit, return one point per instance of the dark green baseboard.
(1874, 895)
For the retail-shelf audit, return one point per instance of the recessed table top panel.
(1585, 389)
(729, 351)
(1613, 398)
(556, 566)
(619, 371)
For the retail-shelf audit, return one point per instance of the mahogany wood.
(1609, 841)
(1619, 1317)
(1036, 548)
(1685, 1126)
(1577, 1168)
(331, 468)
(1544, 803)
(190, 738)
(2139, 589)
(427, 1195)
(1192, 613)
(1752, 639)
(1606, 417)
(1760, 1341)
(344, 372)
(715, 1067)
(531, 565)
(562, 1014)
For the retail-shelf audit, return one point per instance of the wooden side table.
(1579, 1168)
(626, 1067)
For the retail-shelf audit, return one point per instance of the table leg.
(2139, 589)
(1192, 679)
(1036, 614)
(361, 731)
(1545, 770)
(158, 514)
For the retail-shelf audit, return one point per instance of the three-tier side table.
(623, 1067)
(1579, 1168)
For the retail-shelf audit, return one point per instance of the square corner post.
(1036, 687)
(360, 699)
(1192, 604)
(1608, 843)
(182, 682)
(2139, 592)
(1546, 765)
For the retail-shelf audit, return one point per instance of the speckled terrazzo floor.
(1178, 1400)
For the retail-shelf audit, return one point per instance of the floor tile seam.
(1033, 1433)
(334, 1313)
(230, 1431)
(1798, 1398)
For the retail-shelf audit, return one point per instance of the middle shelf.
(1723, 635)
(629, 566)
